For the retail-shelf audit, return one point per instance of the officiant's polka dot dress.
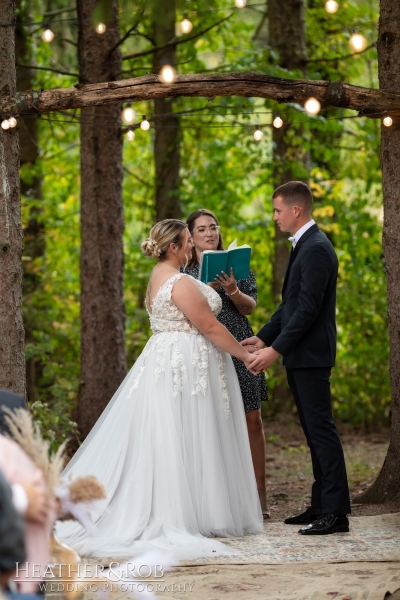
(253, 387)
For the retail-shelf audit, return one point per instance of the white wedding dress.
(171, 449)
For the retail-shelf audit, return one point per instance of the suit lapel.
(294, 252)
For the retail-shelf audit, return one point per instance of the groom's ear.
(296, 210)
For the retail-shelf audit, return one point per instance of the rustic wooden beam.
(370, 102)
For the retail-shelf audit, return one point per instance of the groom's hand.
(263, 359)
(252, 344)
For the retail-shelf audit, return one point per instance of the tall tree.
(286, 21)
(12, 360)
(387, 484)
(31, 185)
(167, 128)
(103, 358)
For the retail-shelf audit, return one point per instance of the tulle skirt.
(172, 450)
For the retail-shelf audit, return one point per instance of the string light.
(100, 28)
(258, 134)
(12, 122)
(240, 3)
(277, 122)
(47, 35)
(186, 25)
(331, 6)
(144, 125)
(357, 42)
(130, 135)
(167, 74)
(387, 121)
(128, 114)
(5, 124)
(312, 106)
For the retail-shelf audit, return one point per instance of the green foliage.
(226, 171)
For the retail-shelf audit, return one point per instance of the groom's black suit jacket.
(303, 329)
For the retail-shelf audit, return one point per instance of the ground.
(289, 475)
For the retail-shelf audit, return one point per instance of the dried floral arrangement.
(75, 498)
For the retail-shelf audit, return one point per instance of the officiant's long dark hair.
(190, 221)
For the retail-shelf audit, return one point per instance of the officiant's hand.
(228, 282)
(213, 285)
(262, 360)
(252, 344)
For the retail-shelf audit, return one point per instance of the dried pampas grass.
(86, 489)
(28, 435)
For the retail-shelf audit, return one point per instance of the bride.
(171, 447)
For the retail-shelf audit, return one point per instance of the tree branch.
(46, 69)
(343, 57)
(127, 34)
(53, 13)
(176, 41)
(368, 101)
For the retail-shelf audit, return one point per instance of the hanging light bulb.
(258, 134)
(128, 114)
(167, 74)
(5, 124)
(277, 122)
(387, 121)
(331, 6)
(357, 42)
(12, 122)
(145, 125)
(101, 28)
(312, 106)
(240, 3)
(130, 136)
(47, 35)
(186, 25)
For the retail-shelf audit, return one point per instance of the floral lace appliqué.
(200, 360)
(223, 382)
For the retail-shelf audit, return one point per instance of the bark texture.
(12, 359)
(387, 484)
(31, 187)
(370, 102)
(167, 129)
(103, 359)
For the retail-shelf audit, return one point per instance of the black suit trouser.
(312, 394)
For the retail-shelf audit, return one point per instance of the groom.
(303, 331)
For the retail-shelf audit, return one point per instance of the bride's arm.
(187, 296)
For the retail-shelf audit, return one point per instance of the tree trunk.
(12, 360)
(387, 484)
(286, 21)
(103, 358)
(167, 129)
(31, 187)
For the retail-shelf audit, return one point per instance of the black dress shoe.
(308, 516)
(326, 524)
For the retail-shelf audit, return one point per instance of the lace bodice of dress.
(166, 316)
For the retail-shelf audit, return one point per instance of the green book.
(212, 262)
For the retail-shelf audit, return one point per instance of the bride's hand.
(248, 359)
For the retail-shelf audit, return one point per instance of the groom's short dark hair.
(295, 192)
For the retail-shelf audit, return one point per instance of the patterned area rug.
(350, 581)
(370, 539)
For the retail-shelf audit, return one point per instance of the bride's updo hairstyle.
(162, 235)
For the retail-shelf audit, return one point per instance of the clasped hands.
(261, 357)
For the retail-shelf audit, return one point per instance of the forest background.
(224, 169)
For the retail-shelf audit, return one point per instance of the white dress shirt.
(295, 238)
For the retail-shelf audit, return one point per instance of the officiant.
(238, 300)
